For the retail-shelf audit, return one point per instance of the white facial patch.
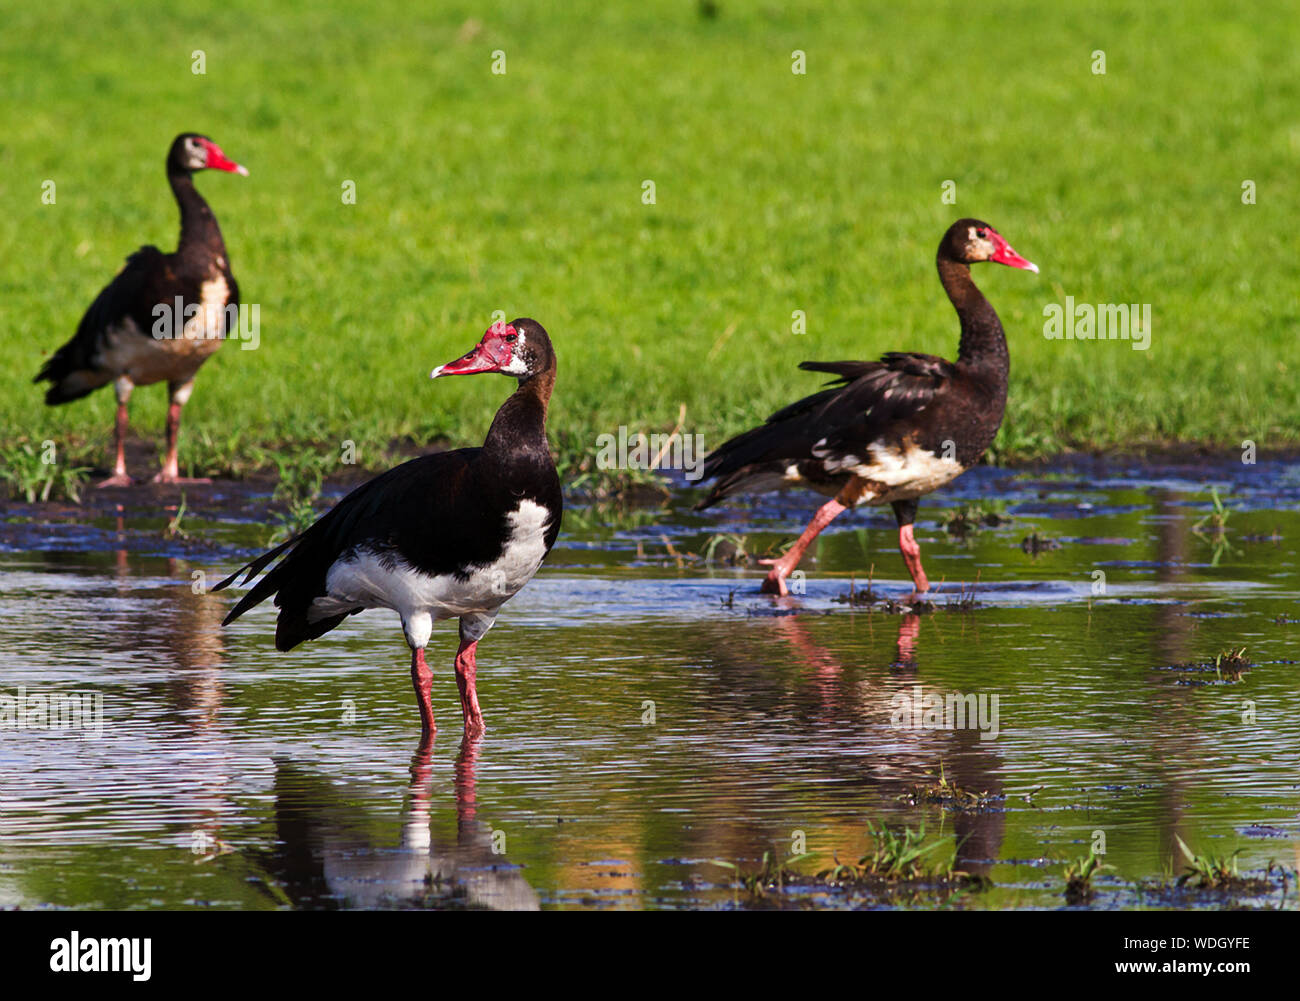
(516, 365)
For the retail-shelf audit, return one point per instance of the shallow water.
(651, 714)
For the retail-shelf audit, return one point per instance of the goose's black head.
(971, 241)
(191, 151)
(520, 348)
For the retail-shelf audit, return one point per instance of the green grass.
(1078, 878)
(896, 855)
(775, 192)
(36, 474)
(1209, 872)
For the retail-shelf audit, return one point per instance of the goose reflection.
(870, 764)
(332, 853)
(961, 755)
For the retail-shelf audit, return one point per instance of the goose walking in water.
(888, 431)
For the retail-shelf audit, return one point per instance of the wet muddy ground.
(656, 725)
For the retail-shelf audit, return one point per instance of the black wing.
(426, 509)
(72, 369)
(864, 403)
(873, 402)
(865, 399)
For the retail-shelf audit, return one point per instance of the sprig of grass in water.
(738, 552)
(738, 549)
(1213, 528)
(1078, 878)
(299, 517)
(945, 793)
(1209, 872)
(867, 596)
(894, 856)
(1221, 873)
(1217, 518)
(173, 529)
(772, 874)
(1231, 661)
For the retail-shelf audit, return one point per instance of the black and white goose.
(888, 431)
(449, 535)
(161, 318)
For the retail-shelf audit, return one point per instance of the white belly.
(365, 580)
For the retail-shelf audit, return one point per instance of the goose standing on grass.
(888, 431)
(448, 535)
(120, 339)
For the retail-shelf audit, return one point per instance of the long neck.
(200, 234)
(518, 432)
(983, 343)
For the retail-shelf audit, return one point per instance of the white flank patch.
(362, 581)
(209, 321)
(907, 474)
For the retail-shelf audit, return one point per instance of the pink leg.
(171, 470)
(774, 583)
(465, 678)
(912, 557)
(119, 477)
(422, 678)
(171, 464)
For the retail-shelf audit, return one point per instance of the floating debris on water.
(1033, 544)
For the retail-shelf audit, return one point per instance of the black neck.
(518, 432)
(983, 342)
(200, 234)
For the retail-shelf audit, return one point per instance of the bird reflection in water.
(909, 628)
(905, 758)
(329, 854)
